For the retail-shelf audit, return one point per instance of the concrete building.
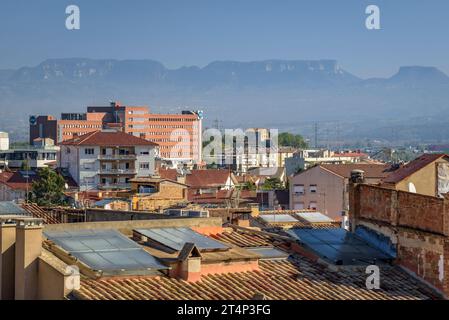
(43, 127)
(256, 148)
(284, 153)
(325, 187)
(427, 174)
(4, 141)
(43, 153)
(178, 135)
(107, 159)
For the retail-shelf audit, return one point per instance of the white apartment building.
(108, 159)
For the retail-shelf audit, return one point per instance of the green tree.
(272, 184)
(287, 139)
(48, 190)
(248, 185)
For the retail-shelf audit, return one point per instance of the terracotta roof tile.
(17, 181)
(38, 212)
(199, 178)
(295, 279)
(371, 170)
(412, 167)
(108, 138)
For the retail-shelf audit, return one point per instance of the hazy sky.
(196, 32)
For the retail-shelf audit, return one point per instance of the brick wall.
(375, 203)
(417, 224)
(420, 212)
(400, 208)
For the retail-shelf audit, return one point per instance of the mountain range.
(281, 93)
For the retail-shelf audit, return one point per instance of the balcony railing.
(114, 186)
(117, 171)
(117, 157)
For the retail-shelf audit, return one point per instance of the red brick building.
(178, 135)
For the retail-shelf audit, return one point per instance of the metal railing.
(117, 157)
(114, 186)
(117, 171)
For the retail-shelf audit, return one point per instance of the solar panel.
(175, 238)
(108, 251)
(314, 217)
(338, 246)
(269, 253)
(278, 218)
(11, 208)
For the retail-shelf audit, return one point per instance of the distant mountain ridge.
(315, 73)
(238, 93)
(215, 73)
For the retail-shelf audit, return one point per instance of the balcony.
(117, 157)
(114, 186)
(118, 171)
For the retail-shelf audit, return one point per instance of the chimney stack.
(7, 258)
(28, 248)
(357, 176)
(190, 263)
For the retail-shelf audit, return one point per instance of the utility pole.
(316, 135)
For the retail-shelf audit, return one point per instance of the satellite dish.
(411, 187)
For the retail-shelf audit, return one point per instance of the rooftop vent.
(357, 176)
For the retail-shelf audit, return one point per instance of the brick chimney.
(189, 267)
(7, 259)
(28, 248)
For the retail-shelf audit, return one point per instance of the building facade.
(179, 136)
(427, 175)
(107, 159)
(325, 187)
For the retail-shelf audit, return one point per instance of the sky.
(197, 32)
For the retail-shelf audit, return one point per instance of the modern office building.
(179, 136)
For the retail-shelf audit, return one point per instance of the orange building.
(178, 135)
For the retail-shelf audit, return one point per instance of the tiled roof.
(296, 279)
(371, 170)
(38, 212)
(412, 167)
(108, 139)
(170, 174)
(351, 154)
(199, 178)
(242, 239)
(17, 181)
(298, 224)
(207, 178)
(220, 196)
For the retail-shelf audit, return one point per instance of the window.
(89, 165)
(89, 151)
(312, 188)
(144, 166)
(299, 206)
(313, 205)
(298, 189)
